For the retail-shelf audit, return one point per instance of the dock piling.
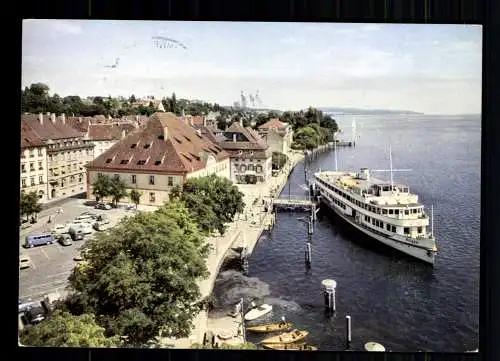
(348, 332)
(308, 253)
(329, 294)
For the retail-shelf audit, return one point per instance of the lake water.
(392, 299)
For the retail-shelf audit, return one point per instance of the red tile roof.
(248, 143)
(273, 124)
(48, 129)
(28, 137)
(183, 150)
(104, 132)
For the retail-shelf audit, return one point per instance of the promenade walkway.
(246, 229)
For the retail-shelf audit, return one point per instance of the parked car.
(24, 261)
(102, 206)
(35, 314)
(25, 304)
(65, 240)
(76, 234)
(59, 229)
(88, 217)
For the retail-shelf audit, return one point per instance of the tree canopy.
(106, 186)
(279, 160)
(29, 204)
(213, 201)
(141, 279)
(65, 330)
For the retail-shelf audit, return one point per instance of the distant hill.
(356, 111)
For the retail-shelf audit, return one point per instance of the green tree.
(135, 196)
(65, 330)
(212, 200)
(279, 160)
(117, 189)
(29, 204)
(102, 187)
(307, 138)
(141, 280)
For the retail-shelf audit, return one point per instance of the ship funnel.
(364, 174)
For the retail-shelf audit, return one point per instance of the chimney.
(183, 113)
(79, 119)
(191, 121)
(48, 113)
(204, 121)
(40, 118)
(234, 137)
(53, 118)
(63, 118)
(241, 121)
(165, 133)
(124, 133)
(136, 124)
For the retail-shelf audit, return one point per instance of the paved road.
(52, 264)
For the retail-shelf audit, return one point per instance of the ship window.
(384, 211)
(391, 211)
(388, 226)
(381, 225)
(419, 230)
(406, 230)
(407, 212)
(373, 221)
(396, 211)
(393, 229)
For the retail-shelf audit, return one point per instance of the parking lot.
(52, 264)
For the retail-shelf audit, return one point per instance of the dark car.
(102, 206)
(76, 235)
(65, 240)
(35, 315)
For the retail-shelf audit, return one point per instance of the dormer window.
(141, 162)
(124, 161)
(158, 162)
(109, 160)
(133, 146)
(146, 146)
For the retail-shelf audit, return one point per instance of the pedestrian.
(50, 220)
(283, 321)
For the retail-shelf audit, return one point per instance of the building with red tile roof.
(156, 158)
(277, 135)
(53, 155)
(251, 158)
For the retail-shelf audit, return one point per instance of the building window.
(406, 230)
(23, 168)
(32, 167)
(40, 165)
(32, 153)
(388, 226)
(72, 179)
(23, 182)
(393, 229)
(152, 197)
(40, 179)
(134, 179)
(80, 178)
(170, 181)
(32, 181)
(40, 152)
(152, 179)
(419, 230)
(22, 154)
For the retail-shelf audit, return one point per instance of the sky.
(428, 68)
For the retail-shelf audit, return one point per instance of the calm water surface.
(392, 299)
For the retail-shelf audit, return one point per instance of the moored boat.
(290, 346)
(287, 337)
(258, 312)
(271, 327)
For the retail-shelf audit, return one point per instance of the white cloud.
(70, 27)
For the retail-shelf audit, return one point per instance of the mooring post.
(313, 212)
(329, 294)
(348, 332)
(310, 227)
(308, 253)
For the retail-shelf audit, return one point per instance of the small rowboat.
(271, 327)
(290, 346)
(288, 337)
(258, 312)
(224, 335)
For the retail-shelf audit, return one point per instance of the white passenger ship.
(385, 211)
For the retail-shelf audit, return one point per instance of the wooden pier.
(304, 205)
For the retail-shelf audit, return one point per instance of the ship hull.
(421, 254)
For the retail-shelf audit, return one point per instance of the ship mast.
(390, 161)
(353, 125)
(335, 150)
(432, 220)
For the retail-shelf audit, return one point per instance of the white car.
(60, 229)
(24, 261)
